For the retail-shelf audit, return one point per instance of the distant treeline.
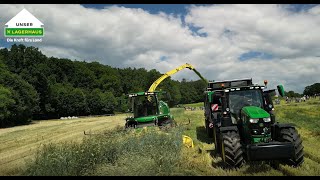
(34, 86)
(312, 90)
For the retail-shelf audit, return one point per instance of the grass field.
(145, 153)
(20, 143)
(200, 104)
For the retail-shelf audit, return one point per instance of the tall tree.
(312, 89)
(6, 106)
(24, 96)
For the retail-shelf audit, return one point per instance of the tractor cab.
(243, 98)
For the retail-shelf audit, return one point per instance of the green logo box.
(11, 32)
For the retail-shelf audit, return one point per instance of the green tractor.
(148, 110)
(239, 116)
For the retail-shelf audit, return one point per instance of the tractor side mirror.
(210, 96)
(280, 90)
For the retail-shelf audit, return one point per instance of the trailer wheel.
(231, 149)
(291, 135)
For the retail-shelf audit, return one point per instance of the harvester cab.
(243, 125)
(148, 110)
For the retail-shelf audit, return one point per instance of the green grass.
(19, 144)
(116, 153)
(155, 152)
(304, 114)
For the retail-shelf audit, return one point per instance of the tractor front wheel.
(231, 149)
(291, 135)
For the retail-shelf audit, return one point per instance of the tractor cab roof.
(243, 88)
(233, 85)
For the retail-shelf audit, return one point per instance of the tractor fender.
(276, 128)
(288, 125)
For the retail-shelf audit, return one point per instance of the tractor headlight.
(268, 119)
(254, 120)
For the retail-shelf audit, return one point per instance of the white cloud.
(123, 37)
(269, 28)
(315, 10)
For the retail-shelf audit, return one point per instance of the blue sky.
(152, 8)
(226, 41)
(181, 8)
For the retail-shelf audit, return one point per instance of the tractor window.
(239, 99)
(216, 99)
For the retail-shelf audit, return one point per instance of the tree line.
(311, 90)
(34, 86)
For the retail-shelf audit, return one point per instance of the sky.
(278, 43)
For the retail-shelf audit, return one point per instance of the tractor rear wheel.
(291, 135)
(231, 149)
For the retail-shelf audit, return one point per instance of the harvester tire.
(231, 149)
(169, 123)
(130, 125)
(291, 135)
